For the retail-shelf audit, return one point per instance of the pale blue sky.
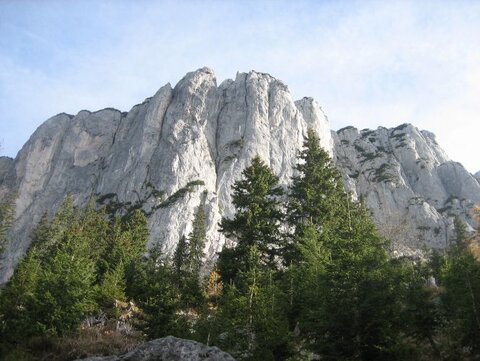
(368, 63)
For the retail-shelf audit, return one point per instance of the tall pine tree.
(257, 220)
(250, 308)
(196, 243)
(340, 285)
(316, 192)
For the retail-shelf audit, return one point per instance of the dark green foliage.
(315, 192)
(447, 315)
(7, 216)
(18, 301)
(124, 245)
(369, 156)
(355, 294)
(258, 217)
(54, 283)
(187, 262)
(189, 187)
(169, 290)
(180, 255)
(461, 301)
(251, 315)
(306, 273)
(251, 309)
(151, 285)
(343, 290)
(65, 288)
(359, 149)
(420, 313)
(461, 233)
(398, 136)
(77, 262)
(381, 174)
(196, 243)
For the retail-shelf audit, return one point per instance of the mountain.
(408, 182)
(185, 147)
(182, 148)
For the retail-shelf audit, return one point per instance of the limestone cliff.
(408, 182)
(180, 149)
(185, 147)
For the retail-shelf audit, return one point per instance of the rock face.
(181, 149)
(412, 188)
(477, 176)
(185, 147)
(170, 349)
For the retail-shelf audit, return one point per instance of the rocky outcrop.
(408, 182)
(184, 148)
(181, 149)
(170, 349)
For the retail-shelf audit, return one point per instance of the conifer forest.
(305, 275)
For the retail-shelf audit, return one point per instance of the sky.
(367, 63)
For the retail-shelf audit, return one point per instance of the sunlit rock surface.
(185, 147)
(180, 149)
(408, 182)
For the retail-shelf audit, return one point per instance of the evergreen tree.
(345, 297)
(126, 243)
(65, 289)
(18, 302)
(421, 313)
(187, 262)
(191, 290)
(42, 231)
(48, 235)
(251, 308)
(7, 216)
(317, 190)
(251, 322)
(73, 259)
(196, 243)
(55, 279)
(152, 285)
(461, 233)
(137, 228)
(96, 228)
(180, 256)
(461, 301)
(357, 311)
(257, 220)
